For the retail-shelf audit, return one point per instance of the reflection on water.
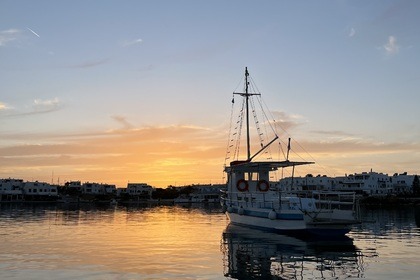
(91, 242)
(257, 254)
(42, 241)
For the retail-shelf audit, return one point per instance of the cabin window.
(251, 176)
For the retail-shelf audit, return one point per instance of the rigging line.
(312, 158)
(263, 104)
(287, 133)
(265, 126)
(281, 150)
(238, 138)
(267, 151)
(241, 80)
(254, 84)
(230, 130)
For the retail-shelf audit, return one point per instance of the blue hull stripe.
(280, 216)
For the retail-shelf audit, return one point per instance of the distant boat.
(251, 200)
(198, 198)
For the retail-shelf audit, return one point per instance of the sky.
(140, 91)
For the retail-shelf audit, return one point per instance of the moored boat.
(252, 200)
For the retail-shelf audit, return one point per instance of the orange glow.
(178, 155)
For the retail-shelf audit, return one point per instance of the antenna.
(288, 149)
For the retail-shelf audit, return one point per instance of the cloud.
(90, 64)
(335, 134)
(352, 32)
(9, 35)
(285, 121)
(151, 154)
(132, 42)
(38, 106)
(3, 106)
(123, 121)
(391, 47)
(45, 106)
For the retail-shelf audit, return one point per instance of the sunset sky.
(140, 91)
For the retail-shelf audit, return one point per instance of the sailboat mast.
(248, 145)
(247, 94)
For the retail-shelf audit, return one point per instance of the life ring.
(263, 185)
(242, 185)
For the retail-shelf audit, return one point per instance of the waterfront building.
(74, 186)
(39, 191)
(309, 182)
(365, 183)
(402, 183)
(199, 193)
(139, 190)
(98, 189)
(11, 189)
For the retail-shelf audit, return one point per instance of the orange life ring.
(263, 185)
(242, 185)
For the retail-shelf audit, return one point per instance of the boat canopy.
(256, 166)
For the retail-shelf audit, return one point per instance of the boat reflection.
(256, 254)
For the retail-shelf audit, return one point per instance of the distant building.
(365, 183)
(39, 191)
(402, 183)
(98, 189)
(11, 189)
(139, 190)
(309, 182)
(200, 194)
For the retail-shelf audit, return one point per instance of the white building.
(365, 183)
(402, 183)
(39, 189)
(11, 189)
(139, 190)
(74, 185)
(308, 182)
(97, 188)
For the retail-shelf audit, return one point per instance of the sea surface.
(42, 241)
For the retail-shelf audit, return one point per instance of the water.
(173, 242)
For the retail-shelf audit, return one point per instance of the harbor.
(195, 242)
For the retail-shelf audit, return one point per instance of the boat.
(250, 199)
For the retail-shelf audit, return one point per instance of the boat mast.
(247, 95)
(247, 114)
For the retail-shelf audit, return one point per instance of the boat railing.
(336, 200)
(244, 199)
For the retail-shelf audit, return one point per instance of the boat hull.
(287, 225)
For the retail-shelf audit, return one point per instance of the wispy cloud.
(391, 47)
(284, 121)
(149, 153)
(155, 153)
(352, 32)
(132, 42)
(38, 106)
(9, 35)
(123, 121)
(45, 106)
(90, 64)
(3, 106)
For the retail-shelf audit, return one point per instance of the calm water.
(172, 242)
